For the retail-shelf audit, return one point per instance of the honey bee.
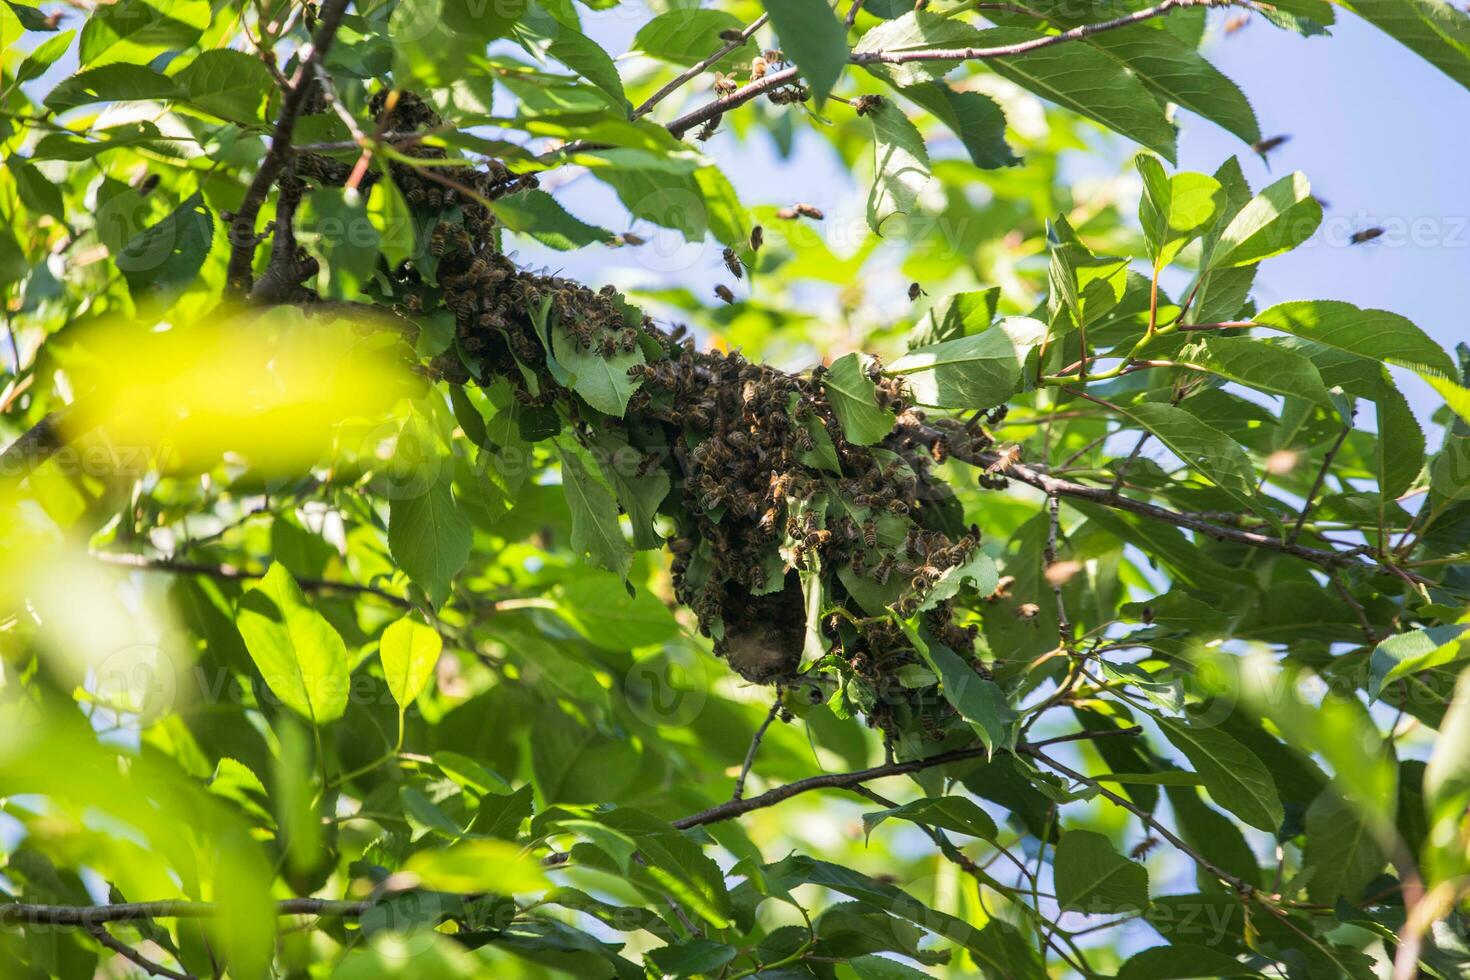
(883, 570)
(757, 238)
(915, 291)
(939, 450)
(870, 534)
(734, 35)
(774, 55)
(439, 239)
(708, 130)
(897, 506)
(758, 67)
(732, 262)
(723, 292)
(1141, 849)
(1236, 23)
(1366, 235)
(681, 546)
(802, 439)
(724, 84)
(1005, 459)
(648, 463)
(1267, 145)
(1028, 610)
(801, 211)
(865, 104)
(628, 238)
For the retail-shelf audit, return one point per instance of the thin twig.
(755, 744)
(739, 97)
(852, 13)
(1301, 519)
(1240, 885)
(698, 69)
(1053, 532)
(1010, 50)
(99, 932)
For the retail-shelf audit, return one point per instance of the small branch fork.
(755, 744)
(99, 932)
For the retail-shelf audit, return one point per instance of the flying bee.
(1366, 235)
(628, 238)
(1267, 145)
(915, 291)
(801, 211)
(1236, 23)
(732, 262)
(724, 84)
(1005, 459)
(1141, 849)
(723, 292)
(757, 238)
(865, 104)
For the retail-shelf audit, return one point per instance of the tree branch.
(698, 69)
(99, 932)
(1009, 50)
(739, 97)
(242, 235)
(231, 573)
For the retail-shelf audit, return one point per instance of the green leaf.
(1168, 66)
(695, 957)
(43, 56)
(1234, 776)
(164, 259)
(813, 38)
(39, 195)
(477, 866)
(135, 31)
(541, 216)
(983, 369)
(429, 536)
(686, 36)
(1341, 853)
(579, 53)
(1447, 786)
(974, 118)
(1433, 29)
(1408, 653)
(1257, 364)
(1086, 81)
(872, 967)
(979, 701)
(613, 620)
(956, 813)
(1174, 210)
(603, 382)
(979, 569)
(854, 400)
(663, 190)
(299, 655)
(595, 529)
(726, 216)
(900, 165)
(113, 83)
(409, 651)
(1202, 447)
(1182, 961)
(229, 84)
(1375, 334)
(1276, 220)
(483, 21)
(1093, 878)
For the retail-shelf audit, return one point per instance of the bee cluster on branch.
(768, 498)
